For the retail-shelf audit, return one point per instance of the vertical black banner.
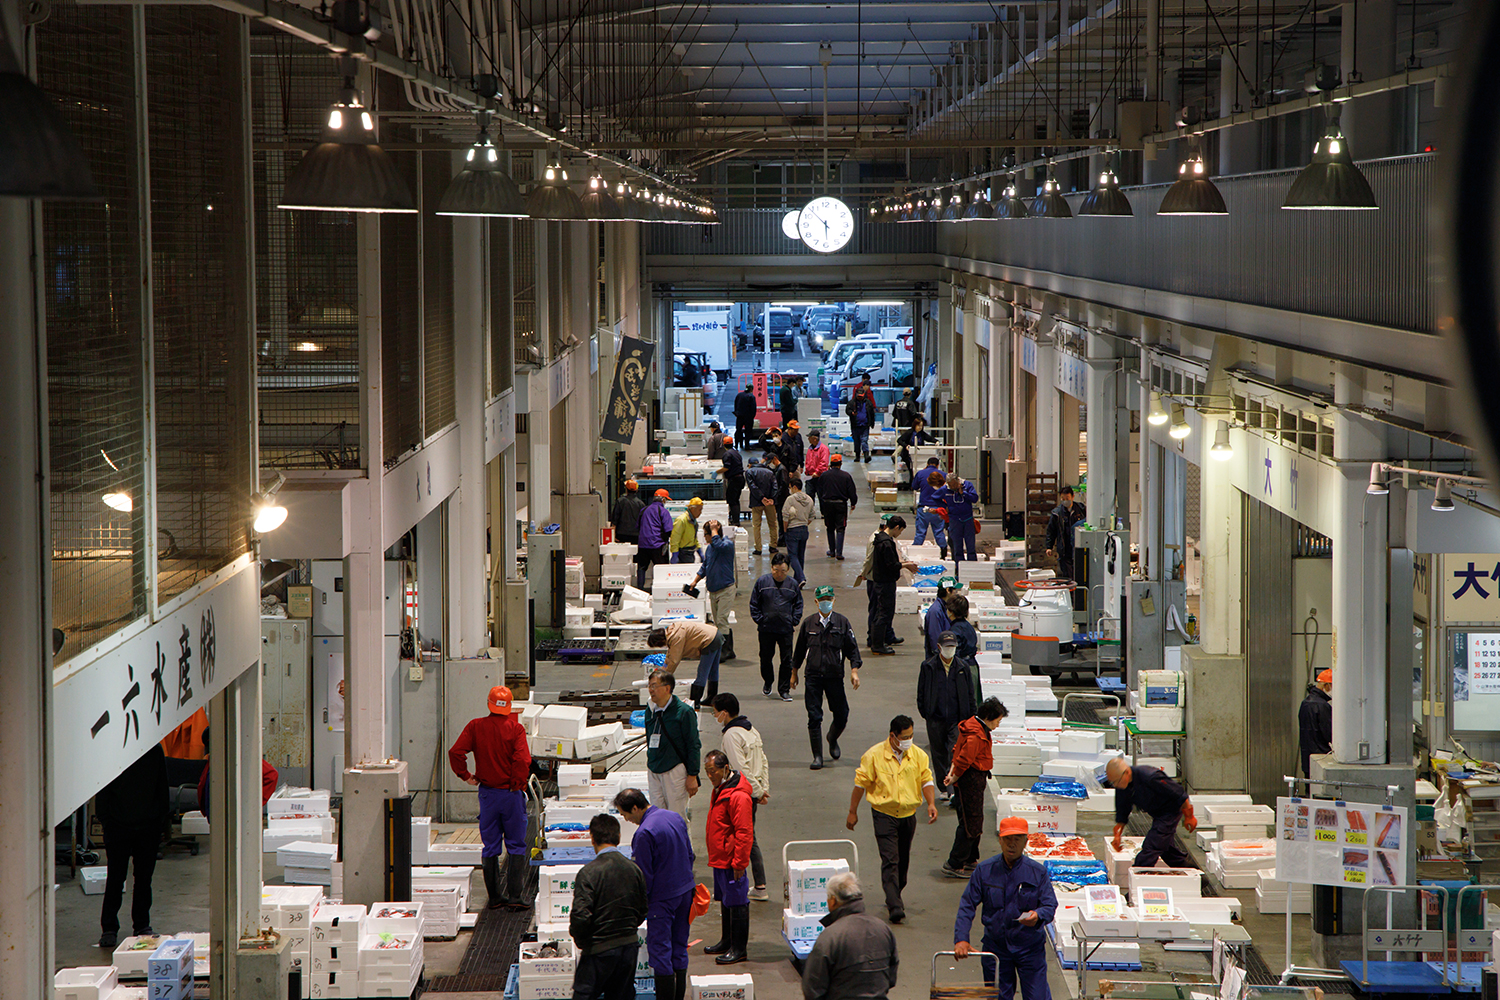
(631, 368)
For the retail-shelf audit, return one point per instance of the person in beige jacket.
(742, 744)
(797, 515)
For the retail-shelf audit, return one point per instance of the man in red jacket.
(502, 764)
(973, 757)
(730, 833)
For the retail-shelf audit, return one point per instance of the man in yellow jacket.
(684, 541)
(896, 777)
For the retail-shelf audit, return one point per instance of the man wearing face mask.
(945, 695)
(897, 778)
(825, 641)
(973, 756)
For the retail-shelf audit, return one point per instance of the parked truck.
(704, 332)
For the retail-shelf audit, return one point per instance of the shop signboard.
(1469, 587)
(1323, 842)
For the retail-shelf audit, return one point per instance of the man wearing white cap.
(502, 764)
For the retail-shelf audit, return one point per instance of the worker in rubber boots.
(1161, 798)
(502, 764)
(1016, 894)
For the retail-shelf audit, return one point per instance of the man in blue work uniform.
(1018, 901)
(936, 622)
(929, 482)
(960, 497)
(1161, 798)
(664, 852)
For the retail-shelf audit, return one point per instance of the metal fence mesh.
(502, 300)
(307, 274)
(438, 401)
(400, 316)
(95, 360)
(523, 268)
(202, 395)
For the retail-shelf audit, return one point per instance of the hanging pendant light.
(630, 206)
(1332, 181)
(1011, 205)
(482, 187)
(908, 212)
(1157, 416)
(1179, 428)
(347, 171)
(1222, 450)
(934, 210)
(551, 199)
(1049, 202)
(979, 208)
(1442, 496)
(598, 204)
(1193, 193)
(953, 211)
(39, 155)
(1106, 200)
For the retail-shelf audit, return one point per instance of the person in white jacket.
(742, 744)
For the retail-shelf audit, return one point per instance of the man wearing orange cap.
(502, 763)
(625, 516)
(1315, 720)
(793, 453)
(656, 530)
(1018, 902)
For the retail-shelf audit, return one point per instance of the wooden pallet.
(604, 706)
(1041, 497)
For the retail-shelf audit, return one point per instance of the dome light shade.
(934, 210)
(954, 210)
(1442, 496)
(1106, 200)
(1157, 416)
(1192, 193)
(1222, 450)
(1379, 486)
(1180, 428)
(119, 499)
(481, 187)
(979, 208)
(1049, 202)
(1331, 182)
(39, 155)
(347, 171)
(552, 200)
(269, 517)
(598, 203)
(1011, 204)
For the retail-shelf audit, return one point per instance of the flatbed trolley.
(801, 949)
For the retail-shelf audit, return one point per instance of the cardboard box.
(299, 601)
(721, 988)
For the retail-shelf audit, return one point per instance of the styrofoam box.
(555, 880)
(389, 950)
(398, 917)
(1213, 910)
(335, 957)
(801, 926)
(564, 722)
(455, 854)
(332, 985)
(574, 774)
(568, 812)
(533, 967)
(1184, 882)
(809, 902)
(133, 954)
(1164, 930)
(550, 746)
(1123, 926)
(721, 988)
(597, 740)
(994, 642)
(388, 981)
(1081, 741)
(87, 982)
(546, 987)
(194, 824)
(813, 875)
(92, 880)
(1158, 720)
(1055, 815)
(130, 993)
(291, 800)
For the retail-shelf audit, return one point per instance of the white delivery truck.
(705, 332)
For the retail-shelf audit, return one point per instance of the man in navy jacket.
(664, 851)
(1018, 902)
(959, 496)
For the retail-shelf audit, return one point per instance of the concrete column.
(234, 791)
(26, 901)
(1221, 526)
(466, 585)
(1359, 592)
(1068, 433)
(539, 399)
(583, 513)
(973, 405)
(1048, 433)
(949, 366)
(1104, 415)
(1371, 124)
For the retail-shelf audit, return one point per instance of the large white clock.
(825, 224)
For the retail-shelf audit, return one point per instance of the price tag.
(1158, 911)
(1357, 837)
(1325, 835)
(1354, 876)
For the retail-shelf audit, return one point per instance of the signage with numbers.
(1474, 680)
(1324, 842)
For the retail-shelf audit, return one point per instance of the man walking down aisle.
(663, 850)
(896, 777)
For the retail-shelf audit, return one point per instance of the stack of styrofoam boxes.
(547, 977)
(1101, 952)
(1045, 813)
(1039, 696)
(741, 551)
(1081, 755)
(335, 951)
(304, 862)
(390, 950)
(1160, 701)
(1238, 820)
(720, 988)
(910, 600)
(1010, 555)
(573, 578)
(977, 574)
(999, 682)
(807, 887)
(1120, 862)
(294, 814)
(616, 565)
(554, 895)
(88, 982)
(667, 598)
(1017, 754)
(599, 741)
(169, 971)
(1237, 863)
(288, 910)
(558, 727)
(458, 876)
(578, 622)
(1185, 883)
(994, 621)
(1272, 896)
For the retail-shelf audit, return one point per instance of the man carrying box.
(663, 851)
(609, 903)
(897, 778)
(672, 745)
(502, 761)
(1018, 902)
(1161, 798)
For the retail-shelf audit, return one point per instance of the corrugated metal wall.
(1368, 267)
(401, 316)
(502, 298)
(758, 231)
(1270, 739)
(438, 402)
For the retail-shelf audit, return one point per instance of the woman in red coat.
(730, 833)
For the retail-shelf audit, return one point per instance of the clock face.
(789, 225)
(825, 224)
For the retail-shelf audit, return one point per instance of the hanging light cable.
(347, 171)
(482, 187)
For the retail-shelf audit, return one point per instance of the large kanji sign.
(1468, 586)
(632, 368)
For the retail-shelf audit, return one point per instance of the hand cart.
(801, 949)
(984, 991)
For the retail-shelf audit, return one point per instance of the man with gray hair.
(854, 957)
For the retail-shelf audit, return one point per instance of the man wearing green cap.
(825, 640)
(936, 622)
